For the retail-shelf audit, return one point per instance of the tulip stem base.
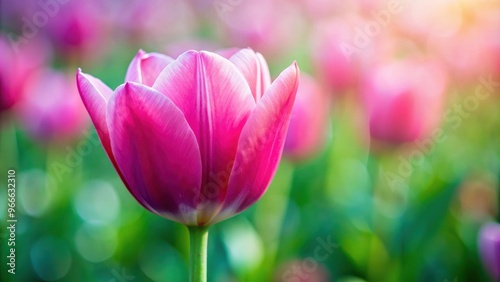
(198, 239)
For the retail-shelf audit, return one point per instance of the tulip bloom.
(404, 100)
(73, 34)
(17, 64)
(196, 139)
(260, 24)
(489, 249)
(336, 59)
(145, 20)
(307, 130)
(51, 109)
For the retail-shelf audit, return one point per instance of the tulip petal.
(145, 67)
(216, 101)
(95, 94)
(134, 68)
(152, 65)
(156, 151)
(261, 144)
(255, 70)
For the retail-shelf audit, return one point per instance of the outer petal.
(145, 67)
(95, 95)
(261, 144)
(156, 151)
(255, 70)
(134, 69)
(216, 101)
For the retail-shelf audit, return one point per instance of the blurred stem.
(198, 239)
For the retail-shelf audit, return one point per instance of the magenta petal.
(216, 101)
(134, 69)
(95, 95)
(152, 66)
(156, 151)
(261, 144)
(145, 67)
(255, 70)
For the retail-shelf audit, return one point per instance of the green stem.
(198, 239)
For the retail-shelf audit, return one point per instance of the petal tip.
(128, 86)
(78, 74)
(131, 86)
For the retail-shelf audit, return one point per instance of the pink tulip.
(196, 139)
(151, 21)
(478, 56)
(489, 249)
(17, 64)
(429, 20)
(51, 109)
(300, 271)
(78, 29)
(261, 24)
(336, 57)
(315, 9)
(307, 130)
(404, 100)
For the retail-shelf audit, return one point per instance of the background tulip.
(308, 125)
(489, 249)
(145, 21)
(17, 64)
(262, 25)
(399, 107)
(73, 35)
(335, 55)
(51, 109)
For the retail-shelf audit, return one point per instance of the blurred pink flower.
(51, 109)
(262, 25)
(78, 29)
(17, 64)
(308, 125)
(404, 99)
(196, 139)
(315, 9)
(151, 21)
(302, 271)
(428, 20)
(489, 249)
(336, 56)
(479, 54)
